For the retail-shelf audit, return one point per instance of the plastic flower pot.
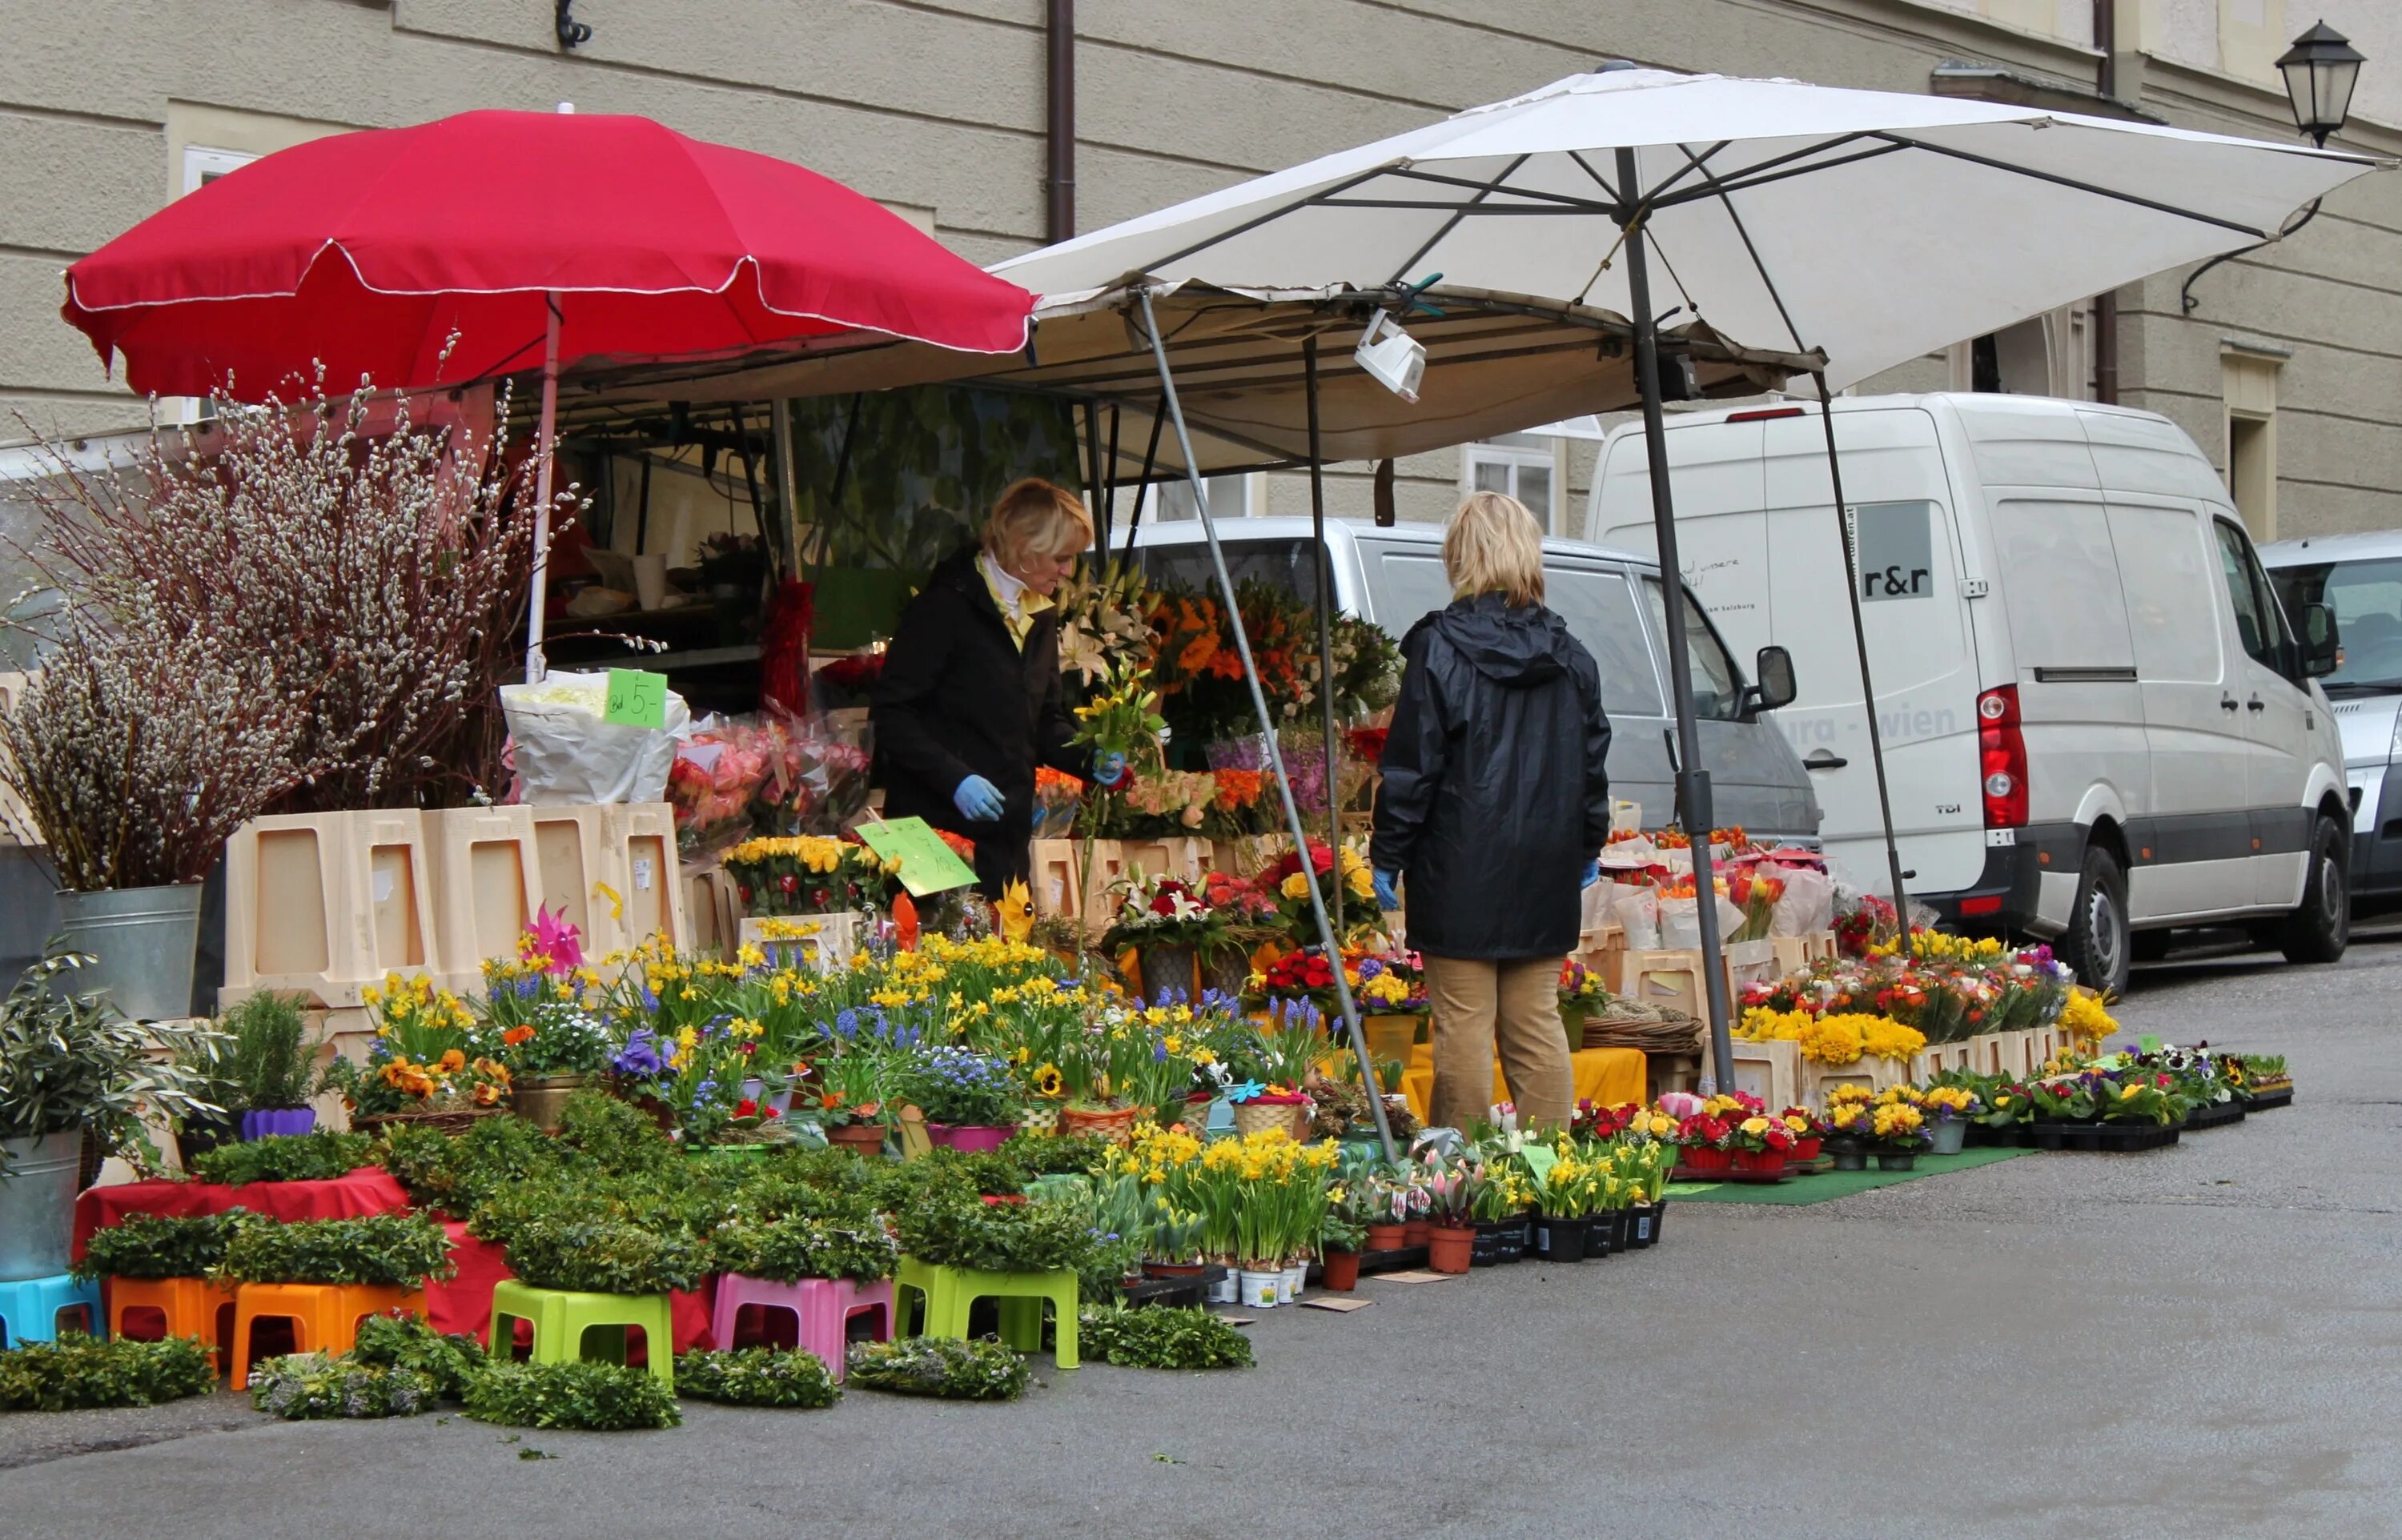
(1340, 1271)
(863, 1139)
(1450, 1250)
(1290, 1281)
(1607, 1234)
(971, 1138)
(1386, 1237)
(1417, 1232)
(1518, 1237)
(1759, 1162)
(277, 1121)
(1848, 1156)
(1948, 1136)
(1558, 1239)
(1262, 1290)
(1701, 1157)
(1804, 1150)
(1484, 1250)
(1642, 1226)
(1896, 1161)
(1227, 1290)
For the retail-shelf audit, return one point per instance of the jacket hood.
(1516, 646)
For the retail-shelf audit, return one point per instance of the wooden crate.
(1055, 885)
(1795, 954)
(1670, 979)
(1184, 859)
(1747, 962)
(826, 943)
(325, 904)
(1770, 1071)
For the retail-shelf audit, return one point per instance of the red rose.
(745, 890)
(746, 1107)
(789, 883)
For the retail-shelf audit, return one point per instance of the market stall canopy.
(1495, 364)
(375, 253)
(1874, 225)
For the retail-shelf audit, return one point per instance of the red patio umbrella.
(537, 239)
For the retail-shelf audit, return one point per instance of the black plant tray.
(2217, 1115)
(1190, 1290)
(2016, 1137)
(2270, 1100)
(1394, 1259)
(2104, 1138)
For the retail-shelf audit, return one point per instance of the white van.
(2359, 577)
(1393, 575)
(2096, 719)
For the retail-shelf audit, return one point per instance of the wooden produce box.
(824, 944)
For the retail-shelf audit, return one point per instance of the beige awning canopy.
(1495, 364)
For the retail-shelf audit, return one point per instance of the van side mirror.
(2322, 647)
(1773, 666)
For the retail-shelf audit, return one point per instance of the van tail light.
(2002, 760)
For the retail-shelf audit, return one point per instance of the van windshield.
(2366, 599)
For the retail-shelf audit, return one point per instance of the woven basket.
(1254, 1117)
(455, 1120)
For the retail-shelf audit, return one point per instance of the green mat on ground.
(1832, 1184)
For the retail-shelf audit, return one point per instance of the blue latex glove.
(978, 800)
(1387, 897)
(1108, 768)
(1591, 875)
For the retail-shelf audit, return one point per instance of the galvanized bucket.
(144, 939)
(37, 1204)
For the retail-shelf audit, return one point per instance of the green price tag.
(1539, 1161)
(2149, 1042)
(927, 864)
(636, 699)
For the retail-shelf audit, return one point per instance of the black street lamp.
(2319, 70)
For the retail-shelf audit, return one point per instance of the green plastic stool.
(949, 1291)
(560, 1319)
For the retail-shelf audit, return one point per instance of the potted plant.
(1896, 1132)
(966, 1097)
(273, 1064)
(1759, 1145)
(1568, 1192)
(1451, 1186)
(1169, 926)
(389, 1250)
(431, 1061)
(1581, 994)
(71, 1065)
(1950, 1110)
(848, 1091)
(552, 1044)
(206, 1062)
(1500, 1206)
(1702, 1139)
(1340, 1240)
(1809, 1133)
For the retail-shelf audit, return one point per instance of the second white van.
(2097, 721)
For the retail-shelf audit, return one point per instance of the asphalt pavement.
(2199, 1341)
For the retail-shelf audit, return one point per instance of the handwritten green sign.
(636, 699)
(927, 864)
(1539, 1161)
(2149, 1042)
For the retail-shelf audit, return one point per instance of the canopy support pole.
(1325, 586)
(1692, 781)
(534, 667)
(1268, 727)
(1860, 643)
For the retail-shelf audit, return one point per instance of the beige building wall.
(937, 106)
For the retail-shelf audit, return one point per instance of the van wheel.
(2318, 928)
(2098, 943)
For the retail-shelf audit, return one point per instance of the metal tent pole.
(1318, 561)
(1267, 725)
(1860, 643)
(544, 445)
(1692, 782)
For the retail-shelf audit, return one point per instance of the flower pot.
(1698, 1159)
(1226, 970)
(201, 1133)
(1804, 1150)
(1889, 1160)
(275, 1121)
(541, 1099)
(144, 939)
(1417, 1232)
(1642, 1226)
(1170, 974)
(1340, 1271)
(1290, 1281)
(1759, 1162)
(1605, 1234)
(862, 1138)
(1517, 1237)
(1386, 1238)
(37, 1200)
(1115, 1125)
(1450, 1250)
(971, 1138)
(1851, 1159)
(1172, 1269)
(1487, 1249)
(1262, 1290)
(1948, 1136)
(1041, 1121)
(1263, 1113)
(1561, 1239)
(1227, 1290)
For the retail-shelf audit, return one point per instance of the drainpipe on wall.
(1060, 186)
(2105, 306)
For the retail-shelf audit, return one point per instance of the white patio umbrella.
(1870, 227)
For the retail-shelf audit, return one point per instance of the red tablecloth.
(464, 1303)
(369, 1189)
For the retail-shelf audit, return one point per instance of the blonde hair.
(1493, 546)
(1032, 515)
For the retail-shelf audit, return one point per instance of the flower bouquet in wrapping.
(1756, 893)
(717, 774)
(816, 775)
(1058, 798)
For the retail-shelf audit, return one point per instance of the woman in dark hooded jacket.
(1493, 807)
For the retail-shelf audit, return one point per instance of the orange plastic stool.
(324, 1317)
(189, 1305)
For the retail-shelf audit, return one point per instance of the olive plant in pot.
(273, 1064)
(71, 1063)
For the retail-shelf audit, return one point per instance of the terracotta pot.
(1340, 1271)
(1117, 1126)
(1386, 1237)
(1448, 1250)
(1417, 1232)
(863, 1139)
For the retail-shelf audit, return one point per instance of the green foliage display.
(1160, 1337)
(458, 1173)
(71, 1061)
(306, 1386)
(615, 1136)
(787, 1250)
(272, 1059)
(78, 1372)
(401, 1249)
(1059, 1155)
(398, 1341)
(594, 1397)
(950, 1227)
(983, 1369)
(757, 1377)
(151, 1245)
(320, 1155)
(604, 1256)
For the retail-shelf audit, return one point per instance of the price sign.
(927, 864)
(636, 699)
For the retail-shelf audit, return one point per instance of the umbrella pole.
(1692, 781)
(1318, 560)
(1860, 643)
(1267, 726)
(534, 667)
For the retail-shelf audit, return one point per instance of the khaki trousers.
(1473, 1001)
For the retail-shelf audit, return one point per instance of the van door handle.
(1821, 758)
(2258, 705)
(2226, 703)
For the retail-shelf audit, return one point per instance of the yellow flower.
(1296, 887)
(1047, 1081)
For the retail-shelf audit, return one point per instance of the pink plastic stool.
(823, 1307)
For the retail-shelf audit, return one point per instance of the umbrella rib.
(1692, 163)
(1584, 205)
(1402, 273)
(1710, 179)
(1315, 199)
(1751, 177)
(2071, 182)
(1616, 199)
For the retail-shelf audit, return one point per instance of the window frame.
(1517, 457)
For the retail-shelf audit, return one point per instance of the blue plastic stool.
(29, 1309)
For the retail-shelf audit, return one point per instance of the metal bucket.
(37, 1204)
(144, 939)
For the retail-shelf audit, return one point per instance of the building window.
(1522, 465)
(203, 165)
(2249, 379)
(1230, 496)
